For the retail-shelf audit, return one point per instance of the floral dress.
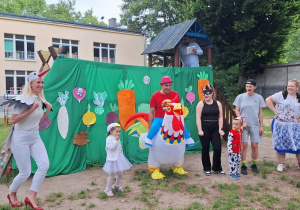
(286, 129)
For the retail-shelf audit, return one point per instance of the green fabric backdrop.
(67, 74)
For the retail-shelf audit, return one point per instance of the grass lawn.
(4, 129)
(267, 113)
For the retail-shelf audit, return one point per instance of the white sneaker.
(280, 167)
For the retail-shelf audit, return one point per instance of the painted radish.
(112, 116)
(62, 116)
(190, 96)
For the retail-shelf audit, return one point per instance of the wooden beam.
(149, 59)
(176, 56)
(209, 56)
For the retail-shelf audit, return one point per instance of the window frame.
(26, 39)
(109, 47)
(70, 44)
(16, 90)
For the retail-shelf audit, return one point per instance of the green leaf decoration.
(189, 89)
(128, 85)
(202, 75)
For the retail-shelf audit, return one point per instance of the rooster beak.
(177, 109)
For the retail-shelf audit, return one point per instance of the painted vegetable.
(79, 93)
(190, 96)
(185, 110)
(62, 116)
(126, 102)
(112, 116)
(89, 118)
(99, 99)
(202, 82)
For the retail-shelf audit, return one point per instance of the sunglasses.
(207, 93)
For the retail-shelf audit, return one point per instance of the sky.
(107, 8)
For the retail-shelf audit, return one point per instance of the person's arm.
(151, 116)
(270, 104)
(198, 49)
(220, 120)
(238, 114)
(199, 109)
(15, 118)
(229, 143)
(48, 109)
(261, 129)
(111, 143)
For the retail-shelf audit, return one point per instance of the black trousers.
(211, 135)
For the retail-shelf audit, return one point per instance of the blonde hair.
(27, 91)
(213, 91)
(295, 81)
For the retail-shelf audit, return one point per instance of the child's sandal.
(118, 188)
(109, 193)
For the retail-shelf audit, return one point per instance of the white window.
(19, 47)
(105, 52)
(15, 81)
(71, 46)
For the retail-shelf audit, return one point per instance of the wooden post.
(209, 56)
(149, 59)
(176, 56)
(165, 60)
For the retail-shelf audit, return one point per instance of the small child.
(116, 162)
(234, 147)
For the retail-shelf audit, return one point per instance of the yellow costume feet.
(155, 173)
(178, 170)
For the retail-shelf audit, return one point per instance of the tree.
(150, 16)
(63, 10)
(247, 33)
(23, 7)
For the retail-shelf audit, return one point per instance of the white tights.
(110, 178)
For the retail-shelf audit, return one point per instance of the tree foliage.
(63, 10)
(247, 33)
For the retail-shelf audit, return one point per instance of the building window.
(19, 47)
(105, 52)
(71, 46)
(15, 81)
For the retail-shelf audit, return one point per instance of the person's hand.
(221, 132)
(48, 105)
(245, 126)
(261, 131)
(201, 133)
(195, 50)
(117, 137)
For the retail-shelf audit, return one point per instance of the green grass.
(267, 113)
(4, 129)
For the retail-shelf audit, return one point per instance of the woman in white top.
(286, 128)
(26, 141)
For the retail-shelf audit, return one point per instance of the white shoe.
(280, 167)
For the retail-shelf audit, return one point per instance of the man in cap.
(157, 113)
(249, 106)
(189, 52)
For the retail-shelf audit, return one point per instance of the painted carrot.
(126, 102)
(202, 82)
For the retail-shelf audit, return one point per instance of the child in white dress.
(116, 162)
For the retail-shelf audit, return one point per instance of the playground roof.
(170, 36)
